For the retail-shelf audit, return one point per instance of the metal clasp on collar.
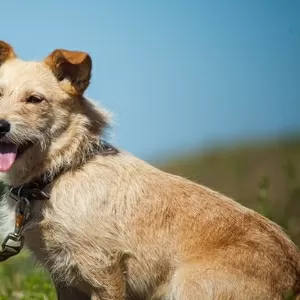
(13, 243)
(22, 213)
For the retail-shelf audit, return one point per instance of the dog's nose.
(4, 127)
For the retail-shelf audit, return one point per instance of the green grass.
(264, 178)
(21, 279)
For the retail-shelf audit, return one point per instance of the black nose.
(4, 127)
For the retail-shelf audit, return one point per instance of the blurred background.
(206, 89)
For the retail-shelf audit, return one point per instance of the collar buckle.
(11, 246)
(14, 242)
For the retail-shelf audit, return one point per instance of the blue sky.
(177, 75)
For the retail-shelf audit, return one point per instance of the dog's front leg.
(70, 293)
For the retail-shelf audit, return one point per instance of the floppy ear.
(6, 52)
(72, 68)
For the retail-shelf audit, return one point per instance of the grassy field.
(264, 178)
(21, 279)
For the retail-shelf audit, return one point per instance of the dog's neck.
(69, 152)
(67, 158)
(34, 189)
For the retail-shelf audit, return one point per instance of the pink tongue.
(8, 153)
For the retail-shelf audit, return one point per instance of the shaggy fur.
(116, 227)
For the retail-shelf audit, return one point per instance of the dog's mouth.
(9, 152)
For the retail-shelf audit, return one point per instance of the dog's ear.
(72, 69)
(6, 52)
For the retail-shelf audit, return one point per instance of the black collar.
(34, 189)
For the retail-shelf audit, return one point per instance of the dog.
(107, 224)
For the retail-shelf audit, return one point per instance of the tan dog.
(114, 226)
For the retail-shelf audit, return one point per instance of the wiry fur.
(117, 227)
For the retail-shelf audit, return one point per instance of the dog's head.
(39, 101)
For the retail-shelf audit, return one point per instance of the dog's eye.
(34, 99)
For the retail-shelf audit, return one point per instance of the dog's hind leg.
(195, 282)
